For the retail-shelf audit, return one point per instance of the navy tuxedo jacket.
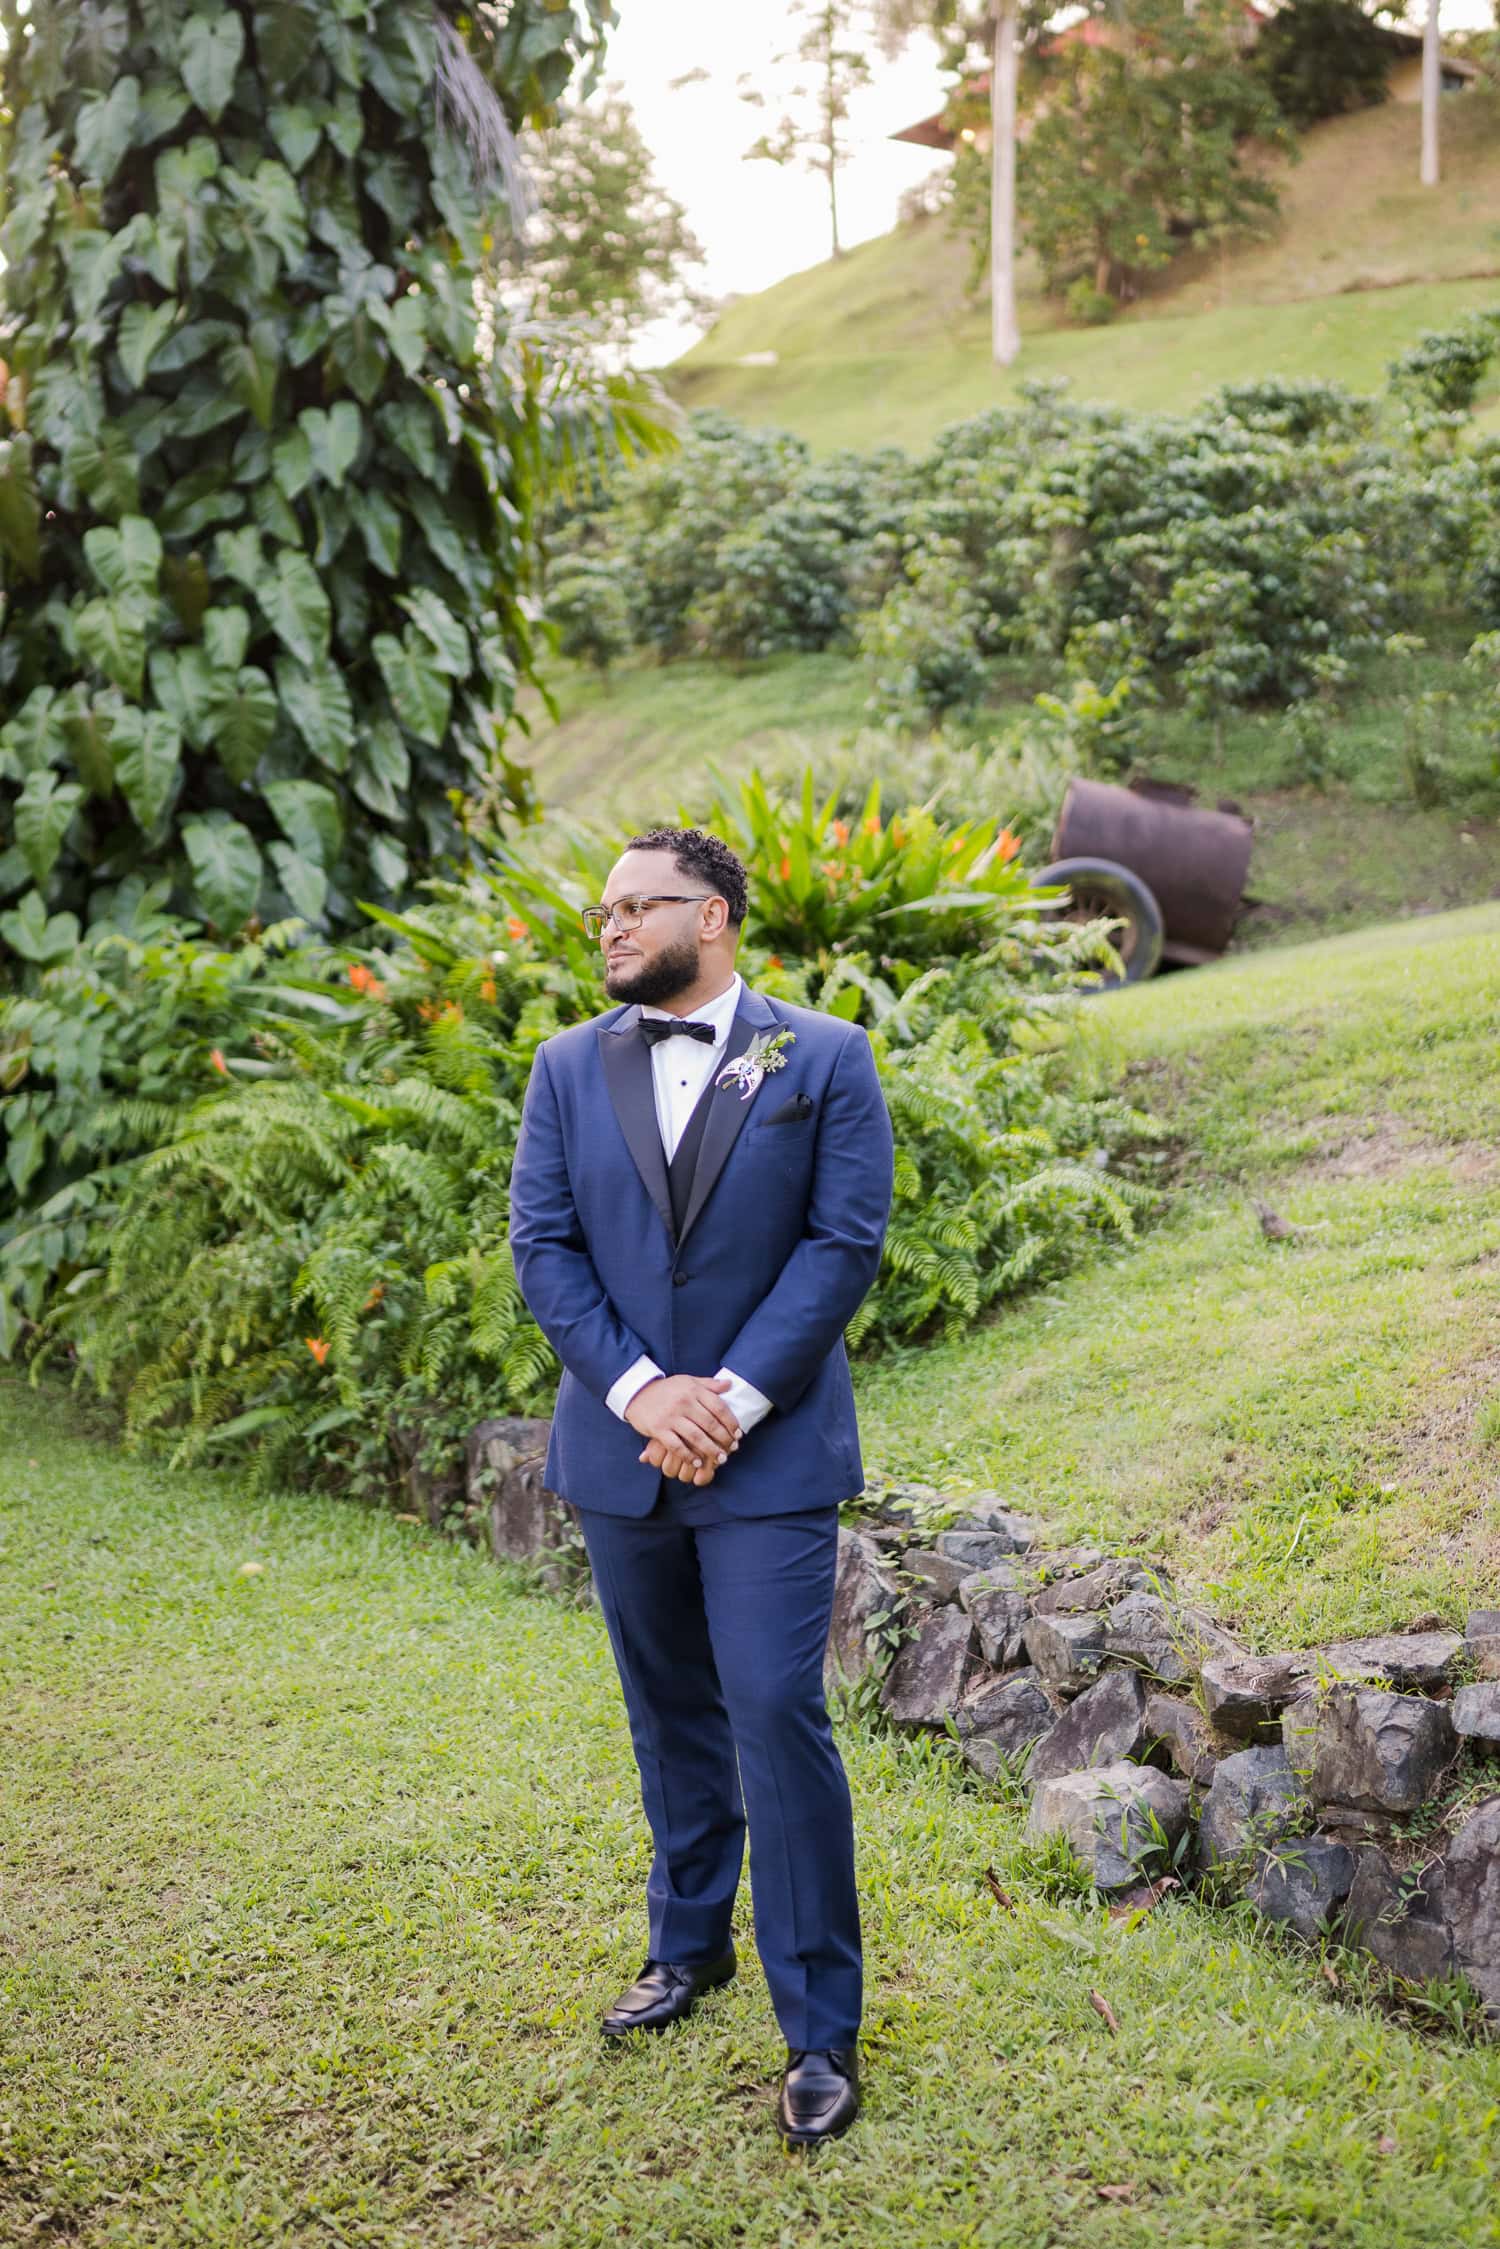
(781, 1239)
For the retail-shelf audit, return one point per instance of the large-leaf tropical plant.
(266, 482)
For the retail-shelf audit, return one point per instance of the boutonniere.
(763, 1055)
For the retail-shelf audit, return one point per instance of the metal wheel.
(1102, 887)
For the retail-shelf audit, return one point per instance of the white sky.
(758, 222)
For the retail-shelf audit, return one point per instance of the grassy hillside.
(628, 749)
(1310, 1426)
(884, 347)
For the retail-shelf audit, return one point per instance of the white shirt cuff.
(636, 1376)
(745, 1402)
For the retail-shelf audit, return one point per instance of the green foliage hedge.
(1255, 552)
(265, 486)
(260, 1195)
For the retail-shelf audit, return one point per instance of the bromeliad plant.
(912, 884)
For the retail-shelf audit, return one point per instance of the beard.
(675, 970)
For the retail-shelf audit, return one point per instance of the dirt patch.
(1388, 1145)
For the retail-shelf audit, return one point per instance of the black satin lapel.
(725, 1118)
(627, 1073)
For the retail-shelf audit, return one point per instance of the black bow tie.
(654, 1028)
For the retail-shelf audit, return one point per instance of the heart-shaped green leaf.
(333, 438)
(316, 702)
(42, 812)
(242, 720)
(210, 55)
(421, 696)
(143, 330)
(294, 601)
(303, 880)
(308, 815)
(147, 752)
(30, 931)
(226, 869)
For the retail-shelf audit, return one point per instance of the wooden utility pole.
(1005, 333)
(1432, 89)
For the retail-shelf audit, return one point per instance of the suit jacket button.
(679, 1280)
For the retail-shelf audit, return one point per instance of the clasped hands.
(690, 1432)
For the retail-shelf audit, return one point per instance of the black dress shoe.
(663, 1993)
(819, 2094)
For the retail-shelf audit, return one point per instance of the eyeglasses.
(629, 913)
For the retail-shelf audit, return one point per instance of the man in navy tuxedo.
(693, 1239)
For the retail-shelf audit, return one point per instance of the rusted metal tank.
(1191, 858)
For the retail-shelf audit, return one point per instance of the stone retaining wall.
(1351, 1790)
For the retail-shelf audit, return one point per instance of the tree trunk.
(1005, 333)
(1432, 87)
(830, 111)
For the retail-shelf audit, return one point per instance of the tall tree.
(264, 488)
(1138, 141)
(831, 70)
(605, 243)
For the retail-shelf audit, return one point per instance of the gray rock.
(1019, 1529)
(1471, 1867)
(927, 1674)
(504, 1463)
(975, 1549)
(1095, 1589)
(1253, 1798)
(1401, 1921)
(1105, 1816)
(1068, 1651)
(1157, 1636)
(1105, 1724)
(1476, 1711)
(1407, 1659)
(938, 1575)
(1482, 1642)
(999, 1615)
(1184, 1734)
(1001, 1717)
(1245, 1695)
(862, 1588)
(1302, 1883)
(1368, 1748)
(1046, 1564)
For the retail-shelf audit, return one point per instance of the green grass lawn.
(322, 1854)
(1299, 1426)
(884, 346)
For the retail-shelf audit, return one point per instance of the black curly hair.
(699, 854)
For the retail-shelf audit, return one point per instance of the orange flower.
(317, 1346)
(453, 1013)
(898, 833)
(776, 961)
(786, 870)
(487, 988)
(832, 868)
(841, 831)
(365, 980)
(219, 1063)
(1007, 844)
(872, 825)
(376, 1293)
(428, 1010)
(515, 928)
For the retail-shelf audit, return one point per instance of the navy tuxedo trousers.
(719, 1625)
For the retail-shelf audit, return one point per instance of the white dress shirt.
(680, 1069)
